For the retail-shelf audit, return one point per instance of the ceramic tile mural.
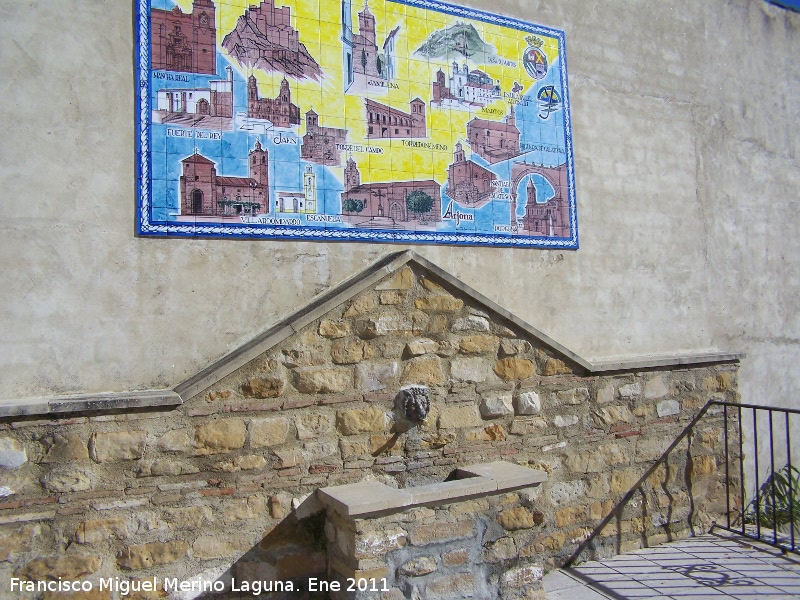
(408, 121)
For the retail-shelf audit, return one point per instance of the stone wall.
(208, 489)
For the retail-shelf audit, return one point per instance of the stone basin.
(365, 497)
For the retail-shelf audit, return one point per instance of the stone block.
(478, 344)
(97, 531)
(401, 280)
(566, 492)
(570, 515)
(650, 449)
(471, 323)
(528, 403)
(516, 518)
(117, 445)
(667, 408)
(513, 347)
(458, 585)
(417, 567)
(347, 352)
(469, 369)
(65, 567)
(310, 380)
(502, 549)
(522, 426)
(263, 387)
(66, 447)
(268, 432)
(392, 297)
(573, 397)
(553, 366)
(441, 532)
(605, 394)
(702, 465)
(373, 377)
(455, 558)
(495, 405)
(522, 577)
(426, 370)
(630, 391)
(313, 425)
(180, 518)
(17, 541)
(392, 324)
(208, 547)
(613, 453)
(218, 436)
(455, 417)
(67, 480)
(334, 329)
(492, 433)
(288, 458)
(250, 462)
(176, 440)
(511, 369)
(623, 480)
(565, 420)
(363, 304)
(244, 509)
(656, 388)
(439, 304)
(374, 544)
(611, 415)
(420, 347)
(144, 556)
(12, 453)
(307, 355)
(361, 420)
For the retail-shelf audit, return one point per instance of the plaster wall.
(687, 170)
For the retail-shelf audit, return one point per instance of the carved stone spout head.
(416, 402)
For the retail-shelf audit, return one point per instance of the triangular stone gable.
(401, 300)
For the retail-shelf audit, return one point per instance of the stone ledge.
(366, 497)
(54, 405)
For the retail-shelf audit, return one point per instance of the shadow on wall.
(280, 565)
(692, 484)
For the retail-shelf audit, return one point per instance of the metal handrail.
(730, 526)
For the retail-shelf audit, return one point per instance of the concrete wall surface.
(686, 149)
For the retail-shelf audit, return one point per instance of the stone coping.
(366, 497)
(56, 405)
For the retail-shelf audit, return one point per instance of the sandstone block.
(307, 355)
(516, 518)
(117, 445)
(420, 347)
(374, 544)
(67, 480)
(455, 417)
(361, 420)
(373, 377)
(250, 462)
(455, 557)
(402, 280)
(189, 516)
(313, 425)
(565, 420)
(66, 567)
(528, 403)
(394, 324)
(553, 366)
(176, 440)
(519, 578)
(162, 467)
(12, 453)
(17, 541)
(623, 480)
(471, 323)
(605, 394)
(510, 347)
(521, 426)
(263, 387)
(492, 433)
(392, 297)
(441, 532)
(656, 388)
(208, 547)
(222, 435)
(611, 415)
(469, 370)
(566, 492)
(478, 344)
(573, 397)
(650, 449)
(570, 515)
(310, 380)
(439, 304)
(334, 329)
(459, 585)
(145, 556)
(514, 368)
(66, 447)
(426, 370)
(416, 567)
(630, 391)
(268, 432)
(288, 458)
(353, 448)
(244, 509)
(499, 550)
(362, 304)
(437, 440)
(702, 465)
(100, 530)
(348, 352)
(496, 405)
(614, 454)
(666, 408)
